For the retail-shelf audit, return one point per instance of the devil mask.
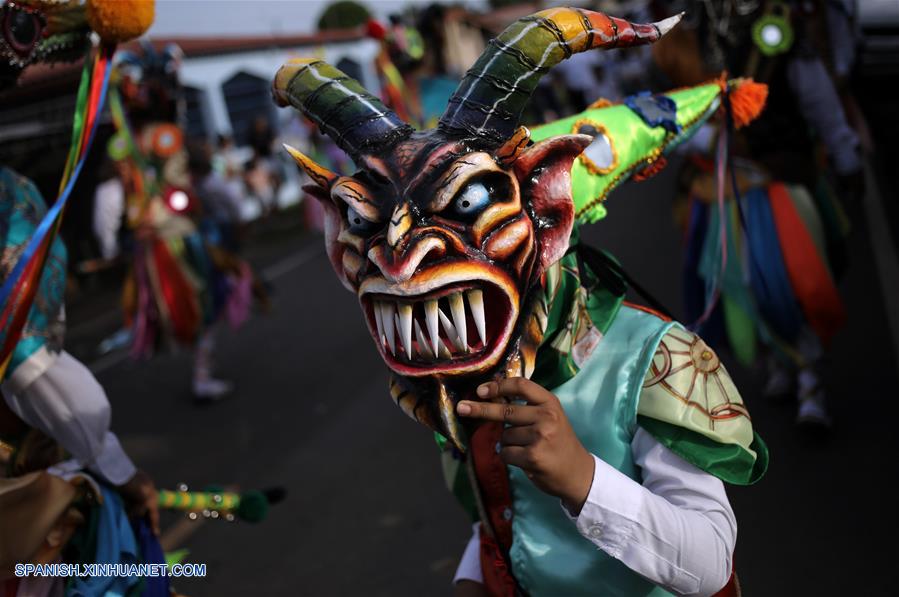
(445, 234)
(50, 31)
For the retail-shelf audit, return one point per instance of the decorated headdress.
(47, 31)
(33, 31)
(146, 80)
(448, 236)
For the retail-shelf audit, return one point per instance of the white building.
(228, 80)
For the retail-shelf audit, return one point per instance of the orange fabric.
(809, 276)
(747, 99)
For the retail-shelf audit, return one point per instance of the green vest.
(548, 555)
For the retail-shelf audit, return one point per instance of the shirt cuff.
(30, 369)
(608, 515)
(112, 463)
(72, 469)
(470, 565)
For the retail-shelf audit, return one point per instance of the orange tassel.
(747, 99)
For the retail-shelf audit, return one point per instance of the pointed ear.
(320, 175)
(544, 174)
(323, 180)
(334, 225)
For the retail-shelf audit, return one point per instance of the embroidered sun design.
(686, 368)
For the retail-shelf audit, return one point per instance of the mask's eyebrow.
(434, 163)
(457, 175)
(356, 195)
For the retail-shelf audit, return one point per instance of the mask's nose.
(401, 255)
(399, 227)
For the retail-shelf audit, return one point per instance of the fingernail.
(483, 390)
(463, 408)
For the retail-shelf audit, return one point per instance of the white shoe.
(211, 389)
(779, 384)
(813, 411)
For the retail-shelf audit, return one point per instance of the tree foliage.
(343, 14)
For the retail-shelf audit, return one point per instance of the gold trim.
(601, 103)
(669, 137)
(587, 162)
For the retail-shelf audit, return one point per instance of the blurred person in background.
(399, 65)
(56, 414)
(217, 196)
(260, 183)
(786, 237)
(184, 280)
(67, 487)
(109, 209)
(261, 138)
(260, 171)
(225, 158)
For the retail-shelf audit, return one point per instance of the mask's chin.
(448, 320)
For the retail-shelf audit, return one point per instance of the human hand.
(141, 498)
(539, 438)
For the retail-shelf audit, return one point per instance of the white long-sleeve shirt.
(67, 403)
(109, 205)
(822, 109)
(676, 529)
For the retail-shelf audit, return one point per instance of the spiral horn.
(356, 120)
(489, 100)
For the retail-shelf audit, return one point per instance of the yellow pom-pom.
(120, 20)
(747, 100)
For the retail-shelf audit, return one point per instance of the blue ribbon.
(50, 217)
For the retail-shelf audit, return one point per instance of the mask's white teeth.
(376, 307)
(423, 347)
(476, 303)
(396, 322)
(457, 306)
(387, 314)
(405, 325)
(450, 330)
(442, 350)
(431, 322)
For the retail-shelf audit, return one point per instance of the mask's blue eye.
(357, 223)
(472, 200)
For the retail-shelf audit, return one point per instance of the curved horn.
(356, 120)
(489, 100)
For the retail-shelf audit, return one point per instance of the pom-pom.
(120, 20)
(253, 506)
(374, 29)
(747, 99)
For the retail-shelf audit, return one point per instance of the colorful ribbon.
(19, 289)
(713, 286)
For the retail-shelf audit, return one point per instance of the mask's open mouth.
(461, 326)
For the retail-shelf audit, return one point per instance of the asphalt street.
(366, 510)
